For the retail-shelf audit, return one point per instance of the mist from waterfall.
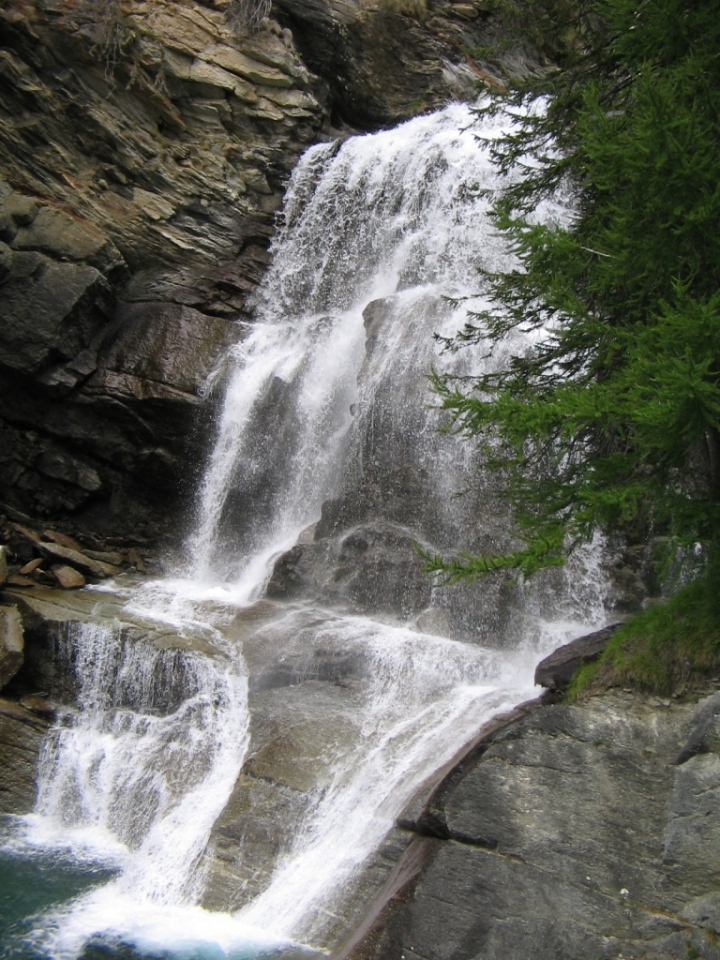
(358, 689)
(399, 214)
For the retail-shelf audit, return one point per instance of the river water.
(309, 695)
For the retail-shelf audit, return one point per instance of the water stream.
(225, 794)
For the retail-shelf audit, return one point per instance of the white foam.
(111, 913)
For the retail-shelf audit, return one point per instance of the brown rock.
(63, 539)
(11, 644)
(464, 10)
(93, 568)
(106, 556)
(38, 704)
(31, 567)
(68, 577)
(17, 581)
(235, 62)
(136, 560)
(73, 556)
(26, 532)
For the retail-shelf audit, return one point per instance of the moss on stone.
(669, 649)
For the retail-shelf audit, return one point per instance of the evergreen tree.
(612, 420)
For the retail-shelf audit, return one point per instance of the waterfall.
(399, 215)
(241, 785)
(134, 775)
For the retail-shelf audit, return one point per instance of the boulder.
(68, 577)
(556, 671)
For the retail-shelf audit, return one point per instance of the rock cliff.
(570, 832)
(144, 149)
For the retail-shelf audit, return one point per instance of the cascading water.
(400, 215)
(134, 776)
(339, 697)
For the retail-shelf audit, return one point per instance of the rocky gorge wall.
(569, 832)
(144, 149)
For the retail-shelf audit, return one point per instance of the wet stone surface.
(571, 833)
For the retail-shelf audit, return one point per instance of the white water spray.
(425, 696)
(136, 774)
(402, 214)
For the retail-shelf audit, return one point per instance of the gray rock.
(692, 828)
(371, 567)
(21, 739)
(704, 725)
(569, 834)
(556, 671)
(704, 911)
(49, 311)
(61, 466)
(8, 228)
(169, 344)
(22, 209)
(61, 236)
(6, 259)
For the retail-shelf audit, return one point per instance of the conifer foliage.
(612, 419)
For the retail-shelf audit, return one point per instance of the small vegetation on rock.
(246, 16)
(671, 647)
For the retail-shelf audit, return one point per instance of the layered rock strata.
(586, 831)
(144, 149)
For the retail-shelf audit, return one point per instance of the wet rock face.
(575, 832)
(369, 567)
(398, 492)
(11, 644)
(143, 155)
(384, 62)
(21, 738)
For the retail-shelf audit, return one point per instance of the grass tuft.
(664, 650)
